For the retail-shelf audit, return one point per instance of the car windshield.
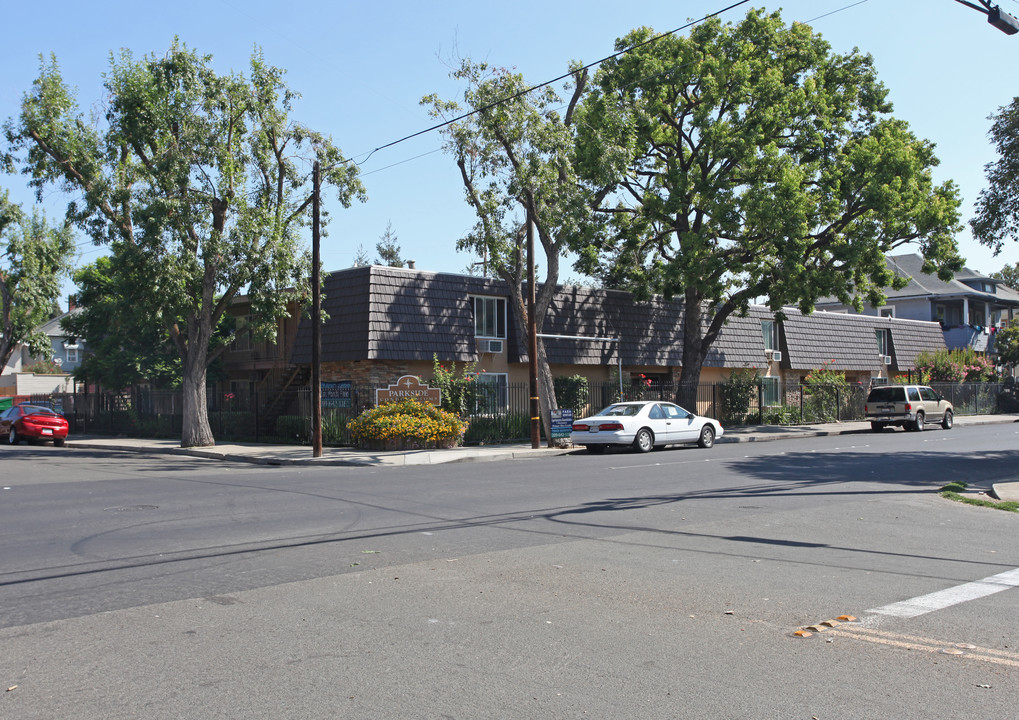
(621, 410)
(886, 394)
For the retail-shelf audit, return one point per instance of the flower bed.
(406, 425)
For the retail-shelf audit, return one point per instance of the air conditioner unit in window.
(776, 356)
(492, 346)
(887, 359)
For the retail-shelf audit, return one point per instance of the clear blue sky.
(363, 67)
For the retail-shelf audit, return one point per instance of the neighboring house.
(970, 307)
(388, 322)
(66, 354)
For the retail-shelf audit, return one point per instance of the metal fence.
(495, 414)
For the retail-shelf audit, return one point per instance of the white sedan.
(644, 425)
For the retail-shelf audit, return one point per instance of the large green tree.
(750, 161)
(1010, 274)
(199, 181)
(34, 257)
(997, 206)
(515, 151)
(1006, 344)
(126, 343)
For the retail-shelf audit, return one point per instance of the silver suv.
(911, 406)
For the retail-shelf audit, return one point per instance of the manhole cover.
(131, 508)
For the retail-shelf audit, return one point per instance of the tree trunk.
(546, 392)
(195, 431)
(694, 351)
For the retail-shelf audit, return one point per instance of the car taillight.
(866, 409)
(908, 407)
(580, 426)
(611, 426)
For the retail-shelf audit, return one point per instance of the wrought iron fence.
(495, 414)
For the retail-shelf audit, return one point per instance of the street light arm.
(995, 16)
(985, 9)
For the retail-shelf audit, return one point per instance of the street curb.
(466, 455)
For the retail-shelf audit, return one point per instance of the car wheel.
(595, 449)
(877, 426)
(644, 441)
(12, 437)
(58, 442)
(919, 424)
(707, 438)
(948, 420)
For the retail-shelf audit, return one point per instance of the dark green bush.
(737, 395)
(485, 430)
(572, 392)
(294, 427)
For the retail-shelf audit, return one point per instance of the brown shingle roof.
(382, 313)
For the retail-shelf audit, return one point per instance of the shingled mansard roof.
(383, 313)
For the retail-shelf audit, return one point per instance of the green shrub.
(736, 396)
(571, 392)
(954, 366)
(334, 429)
(406, 424)
(294, 427)
(157, 426)
(497, 429)
(826, 394)
(781, 415)
(459, 393)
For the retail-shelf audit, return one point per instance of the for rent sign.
(408, 388)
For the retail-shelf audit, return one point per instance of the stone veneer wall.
(378, 373)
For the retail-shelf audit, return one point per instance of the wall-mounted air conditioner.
(492, 346)
(886, 359)
(776, 356)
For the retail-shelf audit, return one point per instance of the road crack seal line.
(931, 645)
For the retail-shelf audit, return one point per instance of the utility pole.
(316, 317)
(995, 16)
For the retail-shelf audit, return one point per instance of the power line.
(562, 77)
(550, 82)
(839, 10)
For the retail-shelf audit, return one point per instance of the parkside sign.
(408, 388)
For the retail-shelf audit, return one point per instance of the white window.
(768, 332)
(493, 392)
(72, 354)
(490, 317)
(888, 312)
(769, 391)
(882, 341)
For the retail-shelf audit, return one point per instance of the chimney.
(412, 264)
(71, 304)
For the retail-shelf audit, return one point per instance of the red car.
(32, 423)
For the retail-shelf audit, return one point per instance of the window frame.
(769, 335)
(500, 317)
(884, 341)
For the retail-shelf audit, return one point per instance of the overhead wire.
(528, 90)
(531, 89)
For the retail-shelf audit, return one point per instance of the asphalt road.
(667, 585)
